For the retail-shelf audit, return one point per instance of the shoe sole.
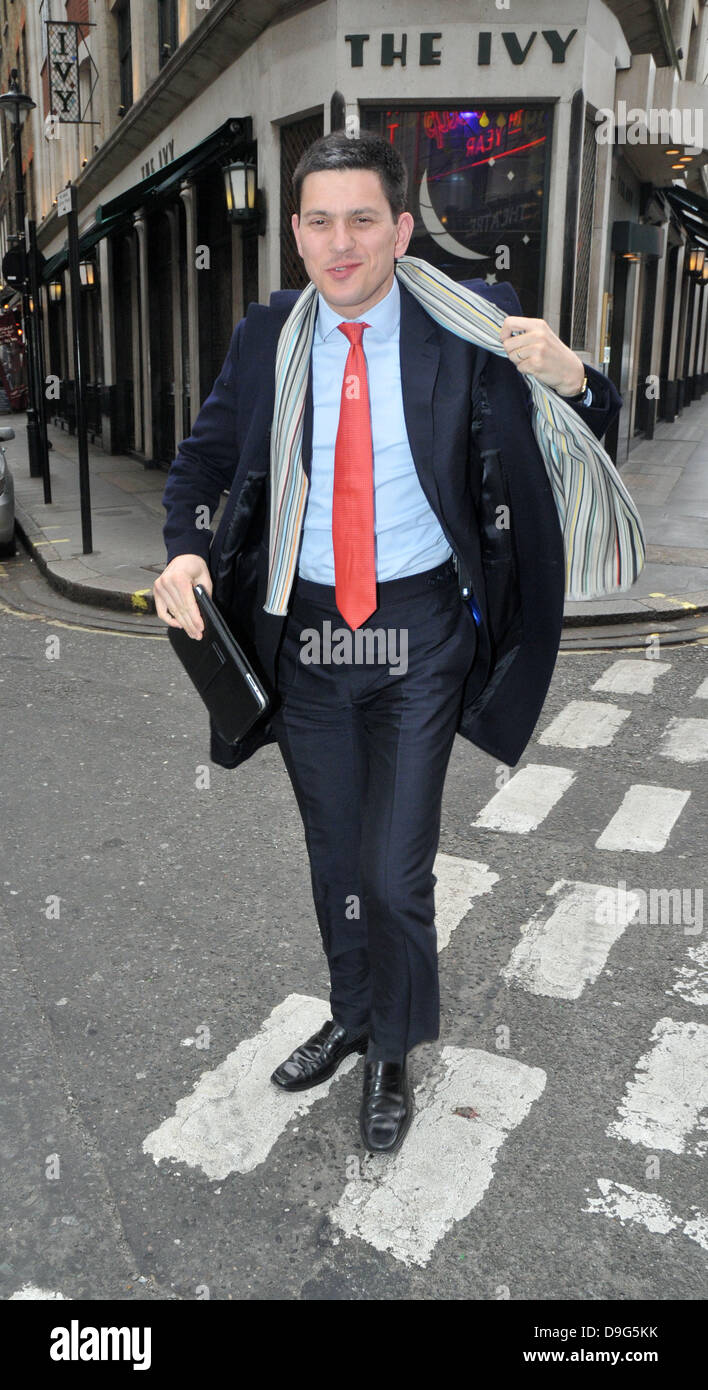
(388, 1148)
(306, 1085)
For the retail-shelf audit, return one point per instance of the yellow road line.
(680, 602)
(79, 627)
(139, 601)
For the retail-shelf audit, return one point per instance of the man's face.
(348, 239)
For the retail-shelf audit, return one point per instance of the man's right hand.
(174, 598)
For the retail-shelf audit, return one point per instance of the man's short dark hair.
(338, 151)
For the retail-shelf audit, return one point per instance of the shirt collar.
(384, 318)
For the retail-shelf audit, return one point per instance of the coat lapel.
(420, 360)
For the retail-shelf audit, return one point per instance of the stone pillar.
(143, 381)
(143, 38)
(188, 194)
(107, 390)
(173, 219)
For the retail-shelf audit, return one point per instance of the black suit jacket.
(468, 419)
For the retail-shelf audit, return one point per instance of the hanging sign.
(63, 39)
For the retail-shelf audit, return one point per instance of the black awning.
(691, 210)
(231, 138)
(87, 239)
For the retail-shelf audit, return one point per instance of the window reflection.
(478, 181)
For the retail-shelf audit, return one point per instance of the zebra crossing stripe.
(233, 1117)
(631, 676)
(666, 1101)
(686, 740)
(585, 724)
(647, 1209)
(558, 956)
(458, 882)
(231, 1120)
(32, 1293)
(644, 820)
(526, 799)
(702, 691)
(692, 980)
(466, 1106)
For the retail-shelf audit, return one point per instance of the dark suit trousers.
(366, 744)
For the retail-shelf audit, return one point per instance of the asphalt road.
(144, 915)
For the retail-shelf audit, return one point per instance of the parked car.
(7, 498)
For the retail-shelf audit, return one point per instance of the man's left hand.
(535, 348)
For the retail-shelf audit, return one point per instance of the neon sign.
(438, 124)
(494, 131)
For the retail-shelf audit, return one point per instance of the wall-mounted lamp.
(87, 271)
(244, 200)
(55, 288)
(696, 259)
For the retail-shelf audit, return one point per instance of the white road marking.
(647, 1209)
(702, 691)
(32, 1292)
(631, 677)
(233, 1117)
(559, 956)
(458, 882)
(668, 1099)
(585, 724)
(408, 1201)
(692, 981)
(644, 820)
(526, 799)
(686, 740)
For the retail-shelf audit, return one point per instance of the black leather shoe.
(386, 1106)
(318, 1058)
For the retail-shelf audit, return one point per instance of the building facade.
(558, 146)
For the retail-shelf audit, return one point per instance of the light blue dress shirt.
(408, 535)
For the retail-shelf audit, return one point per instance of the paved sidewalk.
(667, 476)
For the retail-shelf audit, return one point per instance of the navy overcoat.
(468, 418)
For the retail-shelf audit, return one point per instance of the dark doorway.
(213, 280)
(162, 375)
(619, 352)
(645, 414)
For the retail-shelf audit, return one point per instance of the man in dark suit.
(408, 619)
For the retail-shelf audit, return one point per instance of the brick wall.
(78, 11)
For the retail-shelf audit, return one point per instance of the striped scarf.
(602, 531)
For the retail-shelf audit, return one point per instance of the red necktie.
(353, 492)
